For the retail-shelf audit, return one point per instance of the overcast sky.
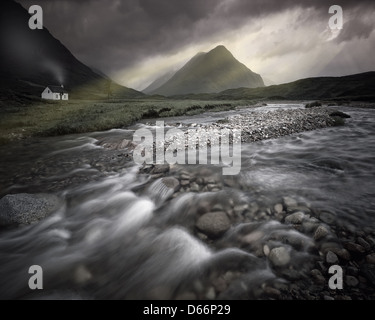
(135, 41)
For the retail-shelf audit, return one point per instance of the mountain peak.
(220, 48)
(211, 72)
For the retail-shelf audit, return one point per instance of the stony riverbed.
(178, 232)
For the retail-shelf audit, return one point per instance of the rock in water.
(162, 189)
(320, 232)
(214, 224)
(279, 256)
(331, 258)
(295, 218)
(171, 183)
(339, 114)
(24, 209)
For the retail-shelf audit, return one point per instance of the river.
(118, 235)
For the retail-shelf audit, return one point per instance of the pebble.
(354, 247)
(295, 218)
(272, 292)
(194, 187)
(320, 232)
(351, 281)
(279, 256)
(364, 243)
(368, 271)
(214, 224)
(210, 294)
(171, 183)
(161, 168)
(278, 208)
(289, 202)
(331, 258)
(370, 258)
(318, 277)
(327, 217)
(266, 250)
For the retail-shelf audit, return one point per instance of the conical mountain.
(211, 72)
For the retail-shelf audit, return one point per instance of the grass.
(50, 118)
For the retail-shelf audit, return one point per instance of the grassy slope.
(48, 118)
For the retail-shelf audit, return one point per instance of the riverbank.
(51, 118)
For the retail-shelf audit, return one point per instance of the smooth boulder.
(24, 209)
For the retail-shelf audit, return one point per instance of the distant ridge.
(352, 87)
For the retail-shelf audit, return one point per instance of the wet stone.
(278, 208)
(368, 271)
(295, 218)
(214, 224)
(185, 183)
(320, 233)
(370, 258)
(354, 248)
(351, 281)
(161, 168)
(331, 258)
(279, 256)
(327, 217)
(289, 202)
(364, 243)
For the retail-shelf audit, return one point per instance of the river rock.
(339, 114)
(161, 168)
(331, 258)
(289, 202)
(368, 271)
(116, 144)
(295, 218)
(327, 217)
(320, 233)
(354, 247)
(351, 281)
(370, 258)
(340, 252)
(24, 209)
(214, 224)
(318, 277)
(364, 243)
(278, 208)
(171, 183)
(279, 256)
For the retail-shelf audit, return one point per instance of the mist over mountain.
(158, 82)
(33, 59)
(210, 72)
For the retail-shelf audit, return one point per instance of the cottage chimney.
(62, 86)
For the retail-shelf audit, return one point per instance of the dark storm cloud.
(115, 34)
(355, 28)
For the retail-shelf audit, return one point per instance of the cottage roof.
(57, 89)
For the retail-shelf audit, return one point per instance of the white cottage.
(55, 93)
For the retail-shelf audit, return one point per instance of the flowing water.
(120, 235)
